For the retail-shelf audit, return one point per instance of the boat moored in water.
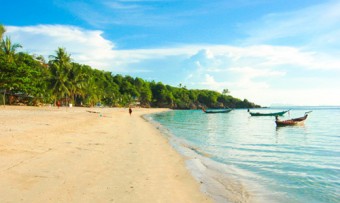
(267, 114)
(294, 121)
(216, 110)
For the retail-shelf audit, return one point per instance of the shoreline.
(222, 183)
(73, 155)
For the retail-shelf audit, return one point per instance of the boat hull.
(288, 123)
(268, 114)
(295, 121)
(218, 111)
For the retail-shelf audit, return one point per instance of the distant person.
(130, 111)
(58, 104)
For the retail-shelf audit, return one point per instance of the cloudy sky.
(270, 52)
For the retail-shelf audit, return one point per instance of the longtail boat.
(294, 121)
(216, 110)
(268, 114)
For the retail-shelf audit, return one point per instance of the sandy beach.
(73, 155)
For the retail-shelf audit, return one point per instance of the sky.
(277, 52)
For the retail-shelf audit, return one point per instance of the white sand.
(71, 155)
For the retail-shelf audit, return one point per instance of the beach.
(50, 154)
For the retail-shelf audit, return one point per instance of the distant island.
(27, 79)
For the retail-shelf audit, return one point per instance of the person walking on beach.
(130, 111)
(58, 104)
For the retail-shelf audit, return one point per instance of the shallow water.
(239, 158)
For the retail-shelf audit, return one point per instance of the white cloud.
(85, 46)
(121, 6)
(210, 83)
(302, 97)
(103, 13)
(251, 72)
(305, 25)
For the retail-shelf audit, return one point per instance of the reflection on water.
(295, 163)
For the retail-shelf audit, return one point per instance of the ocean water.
(239, 158)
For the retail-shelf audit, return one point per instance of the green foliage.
(70, 82)
(9, 49)
(24, 76)
(2, 30)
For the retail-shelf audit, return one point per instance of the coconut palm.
(59, 81)
(62, 58)
(77, 79)
(2, 31)
(92, 96)
(60, 67)
(9, 49)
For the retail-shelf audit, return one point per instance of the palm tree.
(9, 49)
(92, 96)
(77, 79)
(2, 31)
(59, 81)
(62, 58)
(60, 67)
(225, 92)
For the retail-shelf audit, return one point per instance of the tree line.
(31, 80)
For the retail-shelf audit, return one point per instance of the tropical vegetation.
(31, 80)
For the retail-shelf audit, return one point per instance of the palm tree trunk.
(4, 98)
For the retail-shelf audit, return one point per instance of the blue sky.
(269, 52)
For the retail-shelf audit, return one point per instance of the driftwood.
(93, 111)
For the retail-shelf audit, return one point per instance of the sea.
(241, 158)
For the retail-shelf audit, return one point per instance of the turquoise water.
(239, 158)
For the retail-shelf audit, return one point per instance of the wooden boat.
(216, 110)
(294, 121)
(268, 114)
